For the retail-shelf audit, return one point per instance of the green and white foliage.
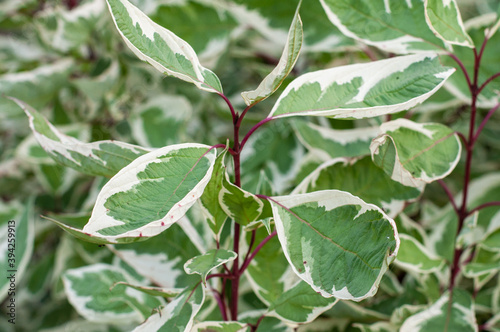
(104, 158)
(38, 86)
(395, 26)
(152, 192)
(300, 304)
(204, 264)
(443, 316)
(362, 178)
(360, 239)
(330, 143)
(443, 17)
(363, 90)
(220, 327)
(161, 258)
(285, 65)
(90, 290)
(240, 205)
(17, 233)
(414, 154)
(161, 121)
(415, 257)
(178, 314)
(160, 47)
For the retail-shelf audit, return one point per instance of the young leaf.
(361, 241)
(160, 47)
(461, 317)
(104, 158)
(362, 178)
(152, 192)
(210, 260)
(216, 217)
(414, 154)
(238, 204)
(178, 315)
(443, 17)
(332, 143)
(413, 256)
(300, 304)
(90, 290)
(288, 58)
(363, 90)
(394, 26)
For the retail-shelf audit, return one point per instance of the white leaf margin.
(330, 199)
(371, 73)
(400, 174)
(126, 178)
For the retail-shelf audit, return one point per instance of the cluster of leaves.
(339, 173)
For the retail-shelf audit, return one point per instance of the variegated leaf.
(17, 234)
(160, 47)
(212, 210)
(363, 90)
(154, 291)
(414, 154)
(439, 317)
(90, 290)
(152, 192)
(285, 65)
(443, 17)
(103, 158)
(269, 273)
(300, 304)
(362, 178)
(332, 143)
(38, 86)
(414, 256)
(240, 205)
(361, 242)
(377, 327)
(394, 26)
(161, 259)
(210, 260)
(220, 327)
(178, 315)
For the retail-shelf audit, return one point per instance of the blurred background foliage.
(66, 59)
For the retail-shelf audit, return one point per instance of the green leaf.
(178, 315)
(212, 210)
(443, 17)
(362, 178)
(394, 26)
(17, 233)
(153, 291)
(90, 290)
(152, 192)
(104, 158)
(363, 90)
(361, 241)
(160, 47)
(492, 241)
(414, 256)
(300, 304)
(414, 154)
(461, 317)
(285, 65)
(220, 327)
(332, 143)
(210, 260)
(240, 205)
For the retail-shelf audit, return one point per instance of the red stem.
(254, 128)
(450, 195)
(485, 120)
(487, 82)
(256, 251)
(482, 206)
